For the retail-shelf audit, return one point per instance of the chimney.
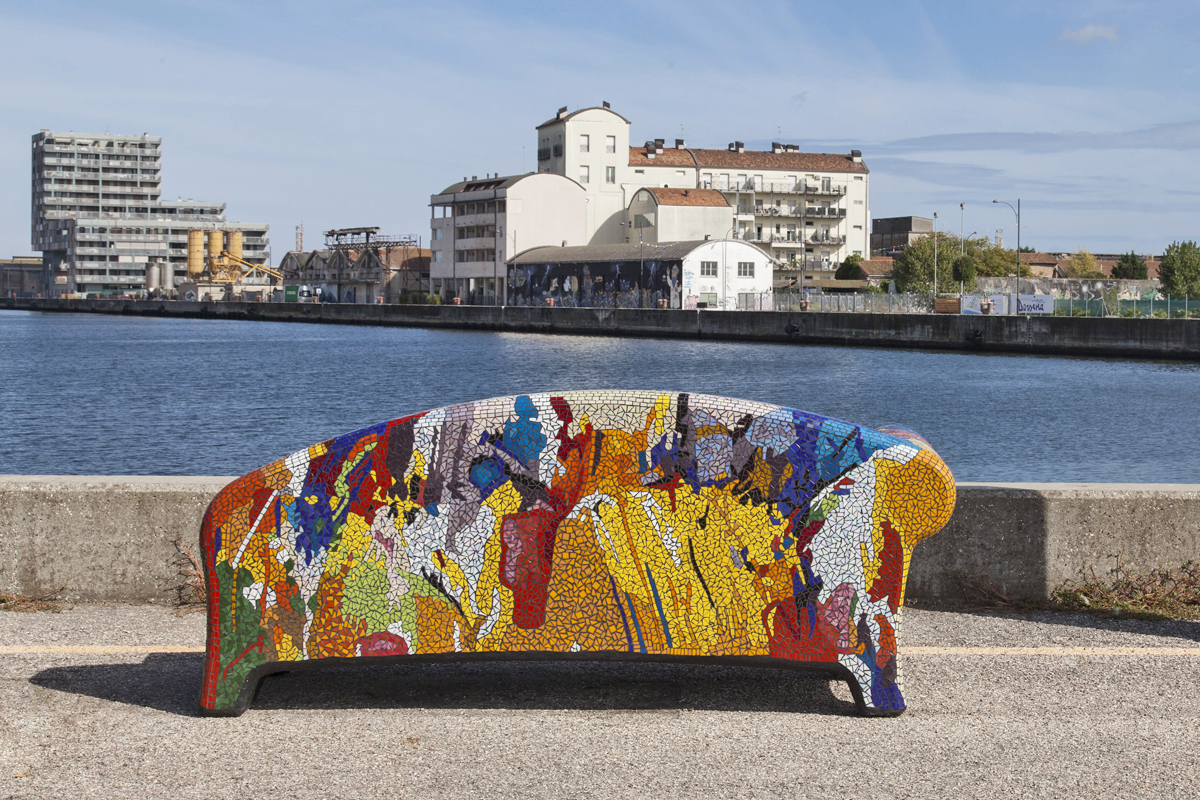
(856, 156)
(659, 143)
(679, 145)
(741, 147)
(474, 177)
(776, 147)
(732, 146)
(604, 104)
(562, 112)
(651, 149)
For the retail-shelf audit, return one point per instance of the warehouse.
(718, 273)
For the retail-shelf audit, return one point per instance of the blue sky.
(353, 113)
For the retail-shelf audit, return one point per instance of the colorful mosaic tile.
(608, 524)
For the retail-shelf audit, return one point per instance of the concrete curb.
(113, 537)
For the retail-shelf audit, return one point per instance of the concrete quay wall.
(1047, 335)
(113, 537)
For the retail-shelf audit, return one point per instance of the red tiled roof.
(688, 197)
(878, 266)
(666, 157)
(759, 159)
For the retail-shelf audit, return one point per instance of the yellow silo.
(235, 244)
(195, 260)
(216, 246)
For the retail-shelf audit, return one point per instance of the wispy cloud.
(1090, 33)
(1173, 136)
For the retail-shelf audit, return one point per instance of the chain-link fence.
(1157, 308)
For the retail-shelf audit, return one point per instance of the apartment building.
(100, 223)
(807, 209)
(478, 225)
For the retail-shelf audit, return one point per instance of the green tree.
(851, 269)
(1130, 268)
(913, 269)
(964, 271)
(1082, 264)
(1179, 270)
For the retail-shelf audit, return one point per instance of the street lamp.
(962, 217)
(1017, 277)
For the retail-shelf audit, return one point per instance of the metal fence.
(865, 303)
(1167, 307)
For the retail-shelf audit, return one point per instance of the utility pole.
(962, 217)
(935, 238)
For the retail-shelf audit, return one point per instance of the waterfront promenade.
(100, 702)
(1035, 335)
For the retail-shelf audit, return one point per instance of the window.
(723, 181)
(584, 143)
(437, 255)
(741, 182)
(610, 174)
(745, 269)
(709, 299)
(584, 173)
(706, 181)
(639, 172)
(708, 269)
(437, 233)
(610, 144)
(758, 183)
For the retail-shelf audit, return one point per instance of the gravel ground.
(89, 725)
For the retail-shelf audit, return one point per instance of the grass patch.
(42, 602)
(1159, 594)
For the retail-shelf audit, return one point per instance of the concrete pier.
(1046, 335)
(113, 537)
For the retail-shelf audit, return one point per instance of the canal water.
(99, 395)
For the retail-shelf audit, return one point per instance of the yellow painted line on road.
(1050, 651)
(118, 649)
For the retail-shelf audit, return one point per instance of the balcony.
(476, 243)
(826, 241)
(543, 154)
(777, 187)
(835, 213)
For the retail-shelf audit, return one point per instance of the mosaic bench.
(596, 525)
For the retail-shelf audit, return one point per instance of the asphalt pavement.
(99, 701)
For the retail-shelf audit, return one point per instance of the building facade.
(719, 274)
(100, 223)
(893, 234)
(803, 209)
(21, 276)
(478, 225)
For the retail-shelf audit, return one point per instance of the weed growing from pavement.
(193, 594)
(1159, 594)
(42, 602)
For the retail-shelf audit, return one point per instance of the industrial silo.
(195, 256)
(235, 244)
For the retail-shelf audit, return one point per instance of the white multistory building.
(100, 223)
(802, 208)
(478, 225)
